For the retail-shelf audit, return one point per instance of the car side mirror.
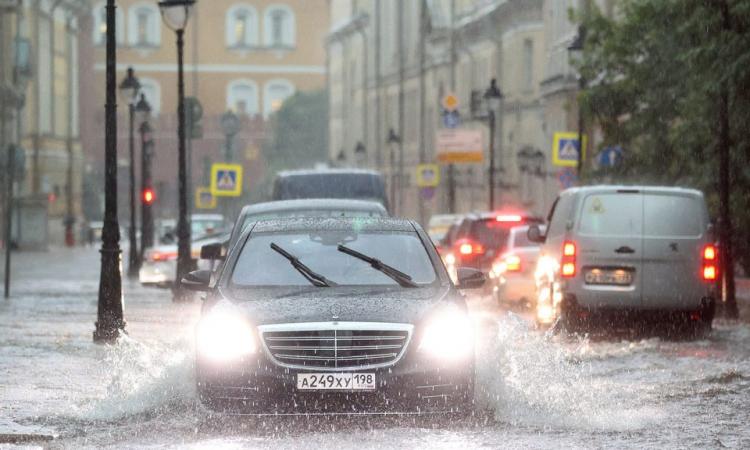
(197, 280)
(212, 251)
(469, 278)
(535, 234)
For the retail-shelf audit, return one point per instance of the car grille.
(336, 346)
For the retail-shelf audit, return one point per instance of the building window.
(100, 25)
(144, 25)
(241, 27)
(528, 65)
(242, 97)
(274, 95)
(152, 90)
(279, 26)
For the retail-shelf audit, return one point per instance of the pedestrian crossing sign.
(565, 148)
(226, 180)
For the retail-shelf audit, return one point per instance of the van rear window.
(612, 215)
(672, 216)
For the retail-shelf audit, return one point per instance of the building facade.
(39, 67)
(392, 62)
(243, 56)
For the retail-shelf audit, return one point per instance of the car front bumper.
(260, 387)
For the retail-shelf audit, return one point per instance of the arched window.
(100, 25)
(152, 90)
(279, 27)
(144, 25)
(242, 97)
(275, 93)
(241, 27)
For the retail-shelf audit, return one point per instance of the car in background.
(481, 237)
(335, 316)
(445, 249)
(355, 184)
(624, 255)
(159, 266)
(439, 225)
(200, 225)
(512, 274)
(304, 208)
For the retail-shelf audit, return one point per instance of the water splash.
(144, 379)
(533, 379)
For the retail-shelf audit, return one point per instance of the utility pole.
(453, 62)
(378, 89)
(401, 79)
(726, 255)
(423, 22)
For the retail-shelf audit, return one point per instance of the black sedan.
(334, 316)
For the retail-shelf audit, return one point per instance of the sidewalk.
(50, 369)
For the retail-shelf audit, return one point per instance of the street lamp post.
(492, 97)
(393, 142)
(175, 14)
(110, 323)
(143, 109)
(230, 126)
(575, 51)
(129, 89)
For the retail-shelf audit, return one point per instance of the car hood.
(343, 304)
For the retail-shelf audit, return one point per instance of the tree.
(670, 84)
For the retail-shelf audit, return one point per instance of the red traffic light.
(148, 196)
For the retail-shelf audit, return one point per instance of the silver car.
(616, 253)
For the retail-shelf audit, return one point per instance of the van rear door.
(609, 248)
(674, 234)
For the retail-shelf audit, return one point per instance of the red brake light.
(509, 218)
(710, 270)
(467, 248)
(568, 268)
(156, 256)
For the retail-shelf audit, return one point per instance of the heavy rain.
(374, 224)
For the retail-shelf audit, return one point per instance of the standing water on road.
(533, 389)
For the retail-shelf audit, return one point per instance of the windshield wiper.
(396, 275)
(314, 278)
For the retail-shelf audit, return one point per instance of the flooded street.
(533, 390)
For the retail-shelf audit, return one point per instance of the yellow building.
(244, 56)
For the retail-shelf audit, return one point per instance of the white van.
(615, 253)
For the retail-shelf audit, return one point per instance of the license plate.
(336, 381)
(617, 277)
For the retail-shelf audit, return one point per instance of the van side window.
(559, 216)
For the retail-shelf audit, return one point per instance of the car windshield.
(490, 232)
(259, 265)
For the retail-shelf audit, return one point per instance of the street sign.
(204, 199)
(565, 149)
(450, 102)
(226, 180)
(428, 175)
(567, 177)
(610, 156)
(451, 119)
(459, 145)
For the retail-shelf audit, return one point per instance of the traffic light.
(148, 196)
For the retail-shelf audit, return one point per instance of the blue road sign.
(610, 156)
(565, 148)
(451, 119)
(567, 178)
(226, 180)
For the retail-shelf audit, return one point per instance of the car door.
(609, 250)
(673, 237)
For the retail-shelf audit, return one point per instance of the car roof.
(604, 188)
(334, 224)
(206, 217)
(321, 204)
(291, 173)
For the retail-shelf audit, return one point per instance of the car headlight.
(224, 335)
(448, 335)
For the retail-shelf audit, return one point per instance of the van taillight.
(710, 269)
(568, 263)
(468, 248)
